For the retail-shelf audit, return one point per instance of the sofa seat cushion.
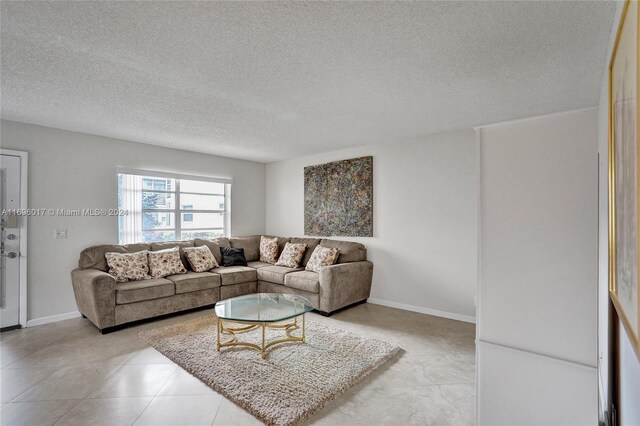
(257, 264)
(303, 280)
(275, 274)
(230, 275)
(137, 291)
(194, 281)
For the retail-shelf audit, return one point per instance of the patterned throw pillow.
(128, 266)
(268, 249)
(165, 262)
(292, 255)
(321, 257)
(200, 258)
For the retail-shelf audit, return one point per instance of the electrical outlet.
(60, 234)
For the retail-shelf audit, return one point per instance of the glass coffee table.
(261, 310)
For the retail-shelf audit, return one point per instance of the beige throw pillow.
(128, 266)
(165, 262)
(268, 249)
(322, 257)
(200, 258)
(292, 255)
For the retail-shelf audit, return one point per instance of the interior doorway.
(13, 239)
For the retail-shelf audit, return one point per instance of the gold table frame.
(252, 325)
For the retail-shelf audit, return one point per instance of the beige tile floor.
(67, 373)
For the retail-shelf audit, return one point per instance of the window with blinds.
(167, 208)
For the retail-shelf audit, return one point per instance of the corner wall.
(424, 246)
(70, 170)
(537, 310)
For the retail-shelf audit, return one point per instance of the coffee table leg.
(303, 335)
(262, 350)
(218, 333)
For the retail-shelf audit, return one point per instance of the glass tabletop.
(263, 307)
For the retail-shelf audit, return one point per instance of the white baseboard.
(458, 317)
(420, 309)
(52, 318)
(603, 405)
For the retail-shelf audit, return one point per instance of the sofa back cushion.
(251, 246)
(171, 244)
(311, 246)
(93, 257)
(349, 251)
(214, 245)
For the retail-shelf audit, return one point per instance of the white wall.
(523, 388)
(72, 170)
(538, 271)
(629, 404)
(424, 244)
(628, 410)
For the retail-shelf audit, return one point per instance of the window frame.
(184, 214)
(178, 211)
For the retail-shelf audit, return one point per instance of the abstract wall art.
(338, 198)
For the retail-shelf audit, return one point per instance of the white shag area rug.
(294, 381)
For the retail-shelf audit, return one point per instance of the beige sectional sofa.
(109, 304)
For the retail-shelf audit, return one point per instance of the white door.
(9, 241)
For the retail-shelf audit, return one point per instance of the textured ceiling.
(274, 80)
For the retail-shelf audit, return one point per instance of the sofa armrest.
(344, 284)
(95, 293)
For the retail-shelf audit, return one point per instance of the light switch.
(60, 234)
(11, 221)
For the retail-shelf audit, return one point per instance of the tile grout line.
(78, 401)
(31, 387)
(156, 395)
(222, 398)
(143, 410)
(68, 411)
(54, 372)
(102, 382)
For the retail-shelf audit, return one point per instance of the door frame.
(24, 184)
